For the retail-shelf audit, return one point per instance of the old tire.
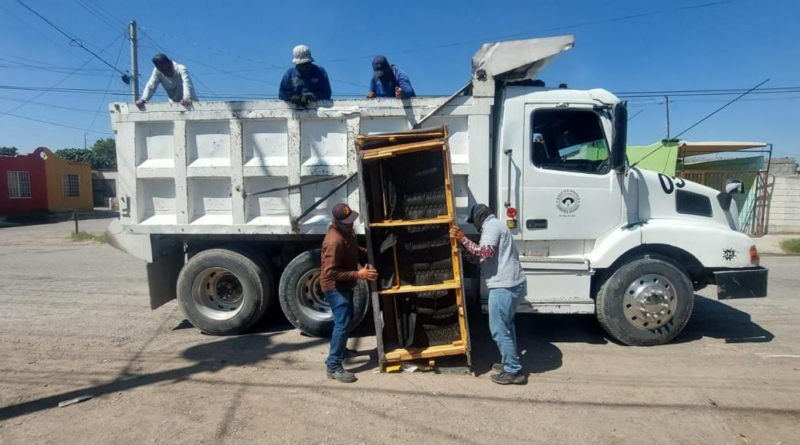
(645, 302)
(303, 302)
(224, 292)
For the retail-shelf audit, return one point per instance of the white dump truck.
(227, 202)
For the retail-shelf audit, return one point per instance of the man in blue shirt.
(306, 82)
(388, 81)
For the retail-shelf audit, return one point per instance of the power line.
(535, 32)
(73, 40)
(49, 105)
(701, 121)
(57, 124)
(102, 19)
(105, 93)
(270, 66)
(59, 82)
(66, 50)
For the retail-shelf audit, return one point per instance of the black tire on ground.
(205, 279)
(611, 306)
(302, 300)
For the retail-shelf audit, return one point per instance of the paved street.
(75, 320)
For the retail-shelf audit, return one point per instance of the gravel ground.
(75, 320)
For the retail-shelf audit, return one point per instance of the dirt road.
(75, 320)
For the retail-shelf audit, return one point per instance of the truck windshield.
(571, 140)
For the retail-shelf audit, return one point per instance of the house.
(41, 181)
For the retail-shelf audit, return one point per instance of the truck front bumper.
(741, 283)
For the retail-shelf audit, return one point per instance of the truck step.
(549, 263)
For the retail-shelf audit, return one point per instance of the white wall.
(784, 205)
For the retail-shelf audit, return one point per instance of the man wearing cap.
(306, 82)
(340, 275)
(175, 79)
(500, 266)
(388, 81)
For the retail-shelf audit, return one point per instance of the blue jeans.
(503, 304)
(341, 302)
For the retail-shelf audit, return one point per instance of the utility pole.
(666, 101)
(134, 62)
(84, 141)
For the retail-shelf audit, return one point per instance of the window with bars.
(71, 185)
(19, 185)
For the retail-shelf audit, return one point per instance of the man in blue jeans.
(500, 267)
(338, 279)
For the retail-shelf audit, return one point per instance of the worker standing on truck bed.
(306, 82)
(175, 79)
(340, 275)
(388, 81)
(500, 267)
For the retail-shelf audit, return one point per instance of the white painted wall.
(784, 205)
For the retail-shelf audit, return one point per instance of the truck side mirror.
(620, 141)
(734, 186)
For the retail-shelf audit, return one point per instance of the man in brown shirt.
(340, 275)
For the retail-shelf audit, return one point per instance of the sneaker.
(507, 378)
(498, 367)
(342, 375)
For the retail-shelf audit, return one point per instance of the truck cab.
(597, 235)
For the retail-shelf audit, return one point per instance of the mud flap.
(162, 277)
(748, 283)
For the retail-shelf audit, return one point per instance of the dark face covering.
(480, 217)
(304, 68)
(343, 227)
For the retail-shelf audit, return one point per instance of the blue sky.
(238, 48)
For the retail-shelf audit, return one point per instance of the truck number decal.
(668, 184)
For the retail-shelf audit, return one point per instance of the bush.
(791, 245)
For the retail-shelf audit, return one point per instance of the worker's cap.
(343, 213)
(474, 211)
(301, 54)
(380, 65)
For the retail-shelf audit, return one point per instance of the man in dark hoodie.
(388, 81)
(339, 277)
(499, 261)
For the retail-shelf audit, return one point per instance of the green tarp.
(663, 160)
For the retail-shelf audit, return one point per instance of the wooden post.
(75, 218)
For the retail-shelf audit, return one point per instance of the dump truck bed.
(199, 171)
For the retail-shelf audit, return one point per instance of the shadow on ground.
(715, 319)
(536, 338)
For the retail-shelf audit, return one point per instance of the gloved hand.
(309, 97)
(295, 100)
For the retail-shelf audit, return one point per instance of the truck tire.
(224, 292)
(645, 302)
(303, 302)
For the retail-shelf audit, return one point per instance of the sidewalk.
(770, 244)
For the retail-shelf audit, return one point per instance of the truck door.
(570, 194)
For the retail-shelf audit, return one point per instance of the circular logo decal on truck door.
(568, 202)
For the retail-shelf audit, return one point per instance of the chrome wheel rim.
(313, 302)
(650, 302)
(217, 293)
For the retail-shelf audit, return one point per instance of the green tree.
(104, 154)
(8, 151)
(76, 155)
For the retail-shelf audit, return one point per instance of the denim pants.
(341, 302)
(503, 304)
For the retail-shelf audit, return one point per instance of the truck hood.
(666, 197)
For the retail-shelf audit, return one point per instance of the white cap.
(301, 54)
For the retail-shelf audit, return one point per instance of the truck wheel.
(224, 292)
(303, 301)
(646, 302)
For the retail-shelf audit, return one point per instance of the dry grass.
(83, 236)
